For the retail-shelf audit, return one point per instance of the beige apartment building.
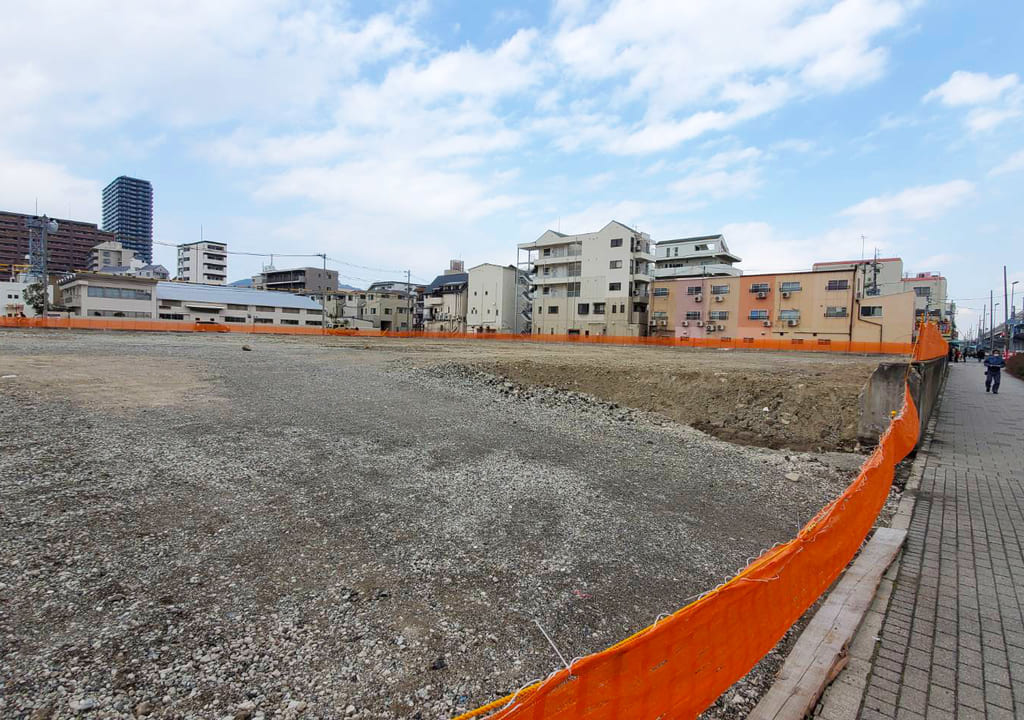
(885, 276)
(446, 301)
(817, 304)
(110, 254)
(593, 283)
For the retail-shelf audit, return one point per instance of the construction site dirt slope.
(798, 401)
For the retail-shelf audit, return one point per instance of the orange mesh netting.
(738, 343)
(677, 667)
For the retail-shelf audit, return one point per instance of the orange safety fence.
(736, 343)
(677, 667)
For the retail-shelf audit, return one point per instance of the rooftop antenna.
(862, 239)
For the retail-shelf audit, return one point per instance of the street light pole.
(1006, 314)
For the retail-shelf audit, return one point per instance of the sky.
(396, 136)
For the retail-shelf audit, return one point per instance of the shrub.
(1015, 365)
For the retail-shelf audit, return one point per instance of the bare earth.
(370, 529)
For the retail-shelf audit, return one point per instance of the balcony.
(712, 270)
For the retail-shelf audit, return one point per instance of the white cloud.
(993, 100)
(23, 183)
(922, 202)
(1014, 163)
(969, 88)
(689, 65)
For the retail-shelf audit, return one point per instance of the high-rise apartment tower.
(128, 213)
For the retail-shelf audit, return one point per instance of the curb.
(842, 699)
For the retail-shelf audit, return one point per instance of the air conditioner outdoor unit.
(698, 298)
(710, 328)
(793, 323)
(762, 295)
(719, 298)
(785, 293)
(685, 323)
(767, 323)
(663, 322)
(700, 323)
(721, 327)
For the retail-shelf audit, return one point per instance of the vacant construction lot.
(363, 529)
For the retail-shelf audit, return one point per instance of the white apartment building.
(492, 301)
(704, 256)
(203, 262)
(12, 298)
(591, 284)
(110, 254)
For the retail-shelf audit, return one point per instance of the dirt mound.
(811, 409)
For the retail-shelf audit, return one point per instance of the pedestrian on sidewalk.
(994, 365)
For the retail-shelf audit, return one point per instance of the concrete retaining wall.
(883, 393)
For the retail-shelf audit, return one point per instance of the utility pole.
(408, 299)
(323, 299)
(991, 323)
(1006, 314)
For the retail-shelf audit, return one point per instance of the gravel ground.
(321, 530)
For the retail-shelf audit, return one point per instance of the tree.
(34, 296)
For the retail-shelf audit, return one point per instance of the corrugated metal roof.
(196, 292)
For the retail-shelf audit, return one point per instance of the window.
(759, 287)
(693, 314)
(290, 311)
(659, 315)
(838, 285)
(615, 265)
(572, 289)
(925, 292)
(758, 315)
(789, 314)
(790, 287)
(871, 311)
(263, 321)
(232, 319)
(616, 242)
(613, 308)
(719, 289)
(237, 307)
(700, 247)
(287, 321)
(387, 311)
(312, 322)
(614, 286)
(718, 315)
(264, 308)
(835, 311)
(675, 252)
(693, 290)
(547, 252)
(661, 292)
(171, 316)
(546, 290)
(552, 309)
(119, 293)
(599, 308)
(622, 308)
(540, 310)
(583, 309)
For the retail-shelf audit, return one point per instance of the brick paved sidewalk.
(952, 643)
